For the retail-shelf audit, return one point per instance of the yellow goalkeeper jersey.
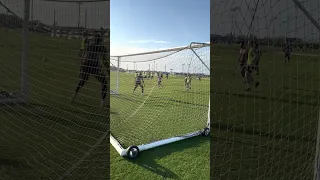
(250, 56)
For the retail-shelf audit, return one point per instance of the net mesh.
(10, 23)
(167, 108)
(48, 137)
(269, 132)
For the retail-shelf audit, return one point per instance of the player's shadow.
(147, 159)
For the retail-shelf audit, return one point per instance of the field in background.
(49, 136)
(270, 132)
(161, 113)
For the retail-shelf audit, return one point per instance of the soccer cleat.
(248, 89)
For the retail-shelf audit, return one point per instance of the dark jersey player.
(287, 51)
(159, 81)
(243, 56)
(139, 82)
(90, 65)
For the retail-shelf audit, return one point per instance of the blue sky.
(153, 24)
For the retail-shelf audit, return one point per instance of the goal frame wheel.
(206, 132)
(133, 152)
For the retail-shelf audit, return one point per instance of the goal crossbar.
(192, 45)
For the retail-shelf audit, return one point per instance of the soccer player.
(139, 82)
(256, 59)
(84, 44)
(249, 68)
(188, 82)
(243, 56)
(159, 81)
(167, 75)
(185, 81)
(90, 65)
(287, 51)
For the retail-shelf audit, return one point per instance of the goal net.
(163, 108)
(50, 136)
(266, 119)
(11, 22)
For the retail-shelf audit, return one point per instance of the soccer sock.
(81, 83)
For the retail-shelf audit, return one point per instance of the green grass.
(161, 113)
(270, 132)
(46, 137)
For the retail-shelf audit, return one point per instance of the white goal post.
(21, 94)
(132, 150)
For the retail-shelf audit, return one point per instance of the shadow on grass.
(194, 92)
(147, 159)
(12, 163)
(253, 132)
(63, 115)
(281, 100)
(180, 102)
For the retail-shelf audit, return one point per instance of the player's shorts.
(249, 69)
(137, 83)
(242, 66)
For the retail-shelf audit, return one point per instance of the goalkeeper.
(139, 82)
(188, 82)
(90, 65)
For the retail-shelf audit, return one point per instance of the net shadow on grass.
(37, 110)
(147, 160)
(6, 162)
(252, 132)
(180, 102)
(195, 92)
(220, 139)
(281, 100)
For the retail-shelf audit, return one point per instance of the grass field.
(161, 113)
(270, 132)
(49, 137)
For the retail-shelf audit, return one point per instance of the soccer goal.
(266, 123)
(160, 97)
(13, 63)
